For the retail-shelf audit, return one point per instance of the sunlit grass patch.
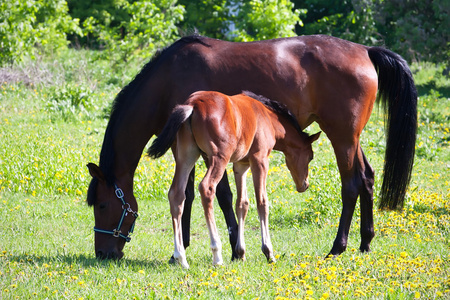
(47, 246)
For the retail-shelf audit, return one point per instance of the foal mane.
(121, 103)
(278, 108)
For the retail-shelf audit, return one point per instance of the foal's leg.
(260, 169)
(186, 155)
(225, 199)
(242, 203)
(207, 188)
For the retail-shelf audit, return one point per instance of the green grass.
(47, 249)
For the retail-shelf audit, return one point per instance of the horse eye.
(102, 206)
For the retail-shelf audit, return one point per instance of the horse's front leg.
(186, 217)
(242, 204)
(225, 199)
(260, 169)
(207, 188)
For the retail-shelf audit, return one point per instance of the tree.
(353, 20)
(28, 27)
(265, 19)
(129, 29)
(241, 20)
(418, 29)
(208, 17)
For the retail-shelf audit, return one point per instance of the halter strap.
(126, 209)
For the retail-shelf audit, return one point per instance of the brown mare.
(237, 129)
(319, 78)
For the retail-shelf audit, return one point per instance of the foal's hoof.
(172, 260)
(180, 261)
(271, 260)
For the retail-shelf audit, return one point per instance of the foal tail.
(398, 96)
(167, 136)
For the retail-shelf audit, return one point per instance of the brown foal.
(237, 129)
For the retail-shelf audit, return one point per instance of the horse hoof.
(179, 261)
(184, 265)
(271, 260)
(172, 260)
(218, 262)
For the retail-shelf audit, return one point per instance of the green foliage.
(131, 29)
(349, 19)
(264, 19)
(419, 29)
(208, 17)
(28, 27)
(70, 102)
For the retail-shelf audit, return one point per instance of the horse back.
(313, 75)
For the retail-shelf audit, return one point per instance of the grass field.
(52, 125)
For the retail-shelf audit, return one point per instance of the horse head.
(298, 156)
(114, 216)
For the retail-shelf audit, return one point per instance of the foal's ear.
(95, 171)
(314, 137)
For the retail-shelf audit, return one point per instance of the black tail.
(398, 94)
(166, 138)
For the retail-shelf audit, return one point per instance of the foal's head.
(298, 155)
(297, 144)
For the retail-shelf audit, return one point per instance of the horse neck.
(124, 143)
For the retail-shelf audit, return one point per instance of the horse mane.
(278, 108)
(120, 104)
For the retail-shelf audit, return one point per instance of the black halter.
(126, 209)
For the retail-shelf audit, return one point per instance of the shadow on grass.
(86, 261)
(431, 88)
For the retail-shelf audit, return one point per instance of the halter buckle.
(119, 193)
(116, 233)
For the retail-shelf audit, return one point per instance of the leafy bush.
(28, 27)
(128, 28)
(70, 102)
(265, 19)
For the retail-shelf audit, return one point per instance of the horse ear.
(314, 137)
(95, 171)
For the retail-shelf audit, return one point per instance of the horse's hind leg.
(357, 178)
(186, 155)
(225, 199)
(366, 199)
(207, 188)
(242, 203)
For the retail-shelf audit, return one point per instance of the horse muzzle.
(114, 255)
(304, 187)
